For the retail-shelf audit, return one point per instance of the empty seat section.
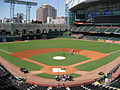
(115, 39)
(111, 30)
(118, 30)
(74, 28)
(86, 29)
(116, 83)
(93, 29)
(59, 88)
(102, 30)
(77, 88)
(105, 38)
(80, 28)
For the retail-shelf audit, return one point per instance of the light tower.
(28, 6)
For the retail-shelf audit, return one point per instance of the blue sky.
(5, 11)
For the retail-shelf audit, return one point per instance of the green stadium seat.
(93, 29)
(86, 29)
(111, 30)
(117, 31)
(102, 30)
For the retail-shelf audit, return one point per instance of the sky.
(57, 4)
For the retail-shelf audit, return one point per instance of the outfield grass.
(98, 63)
(69, 43)
(47, 58)
(49, 76)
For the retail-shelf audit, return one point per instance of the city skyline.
(57, 4)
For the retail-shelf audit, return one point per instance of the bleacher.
(116, 83)
(98, 87)
(114, 39)
(96, 33)
(89, 37)
(111, 30)
(74, 28)
(27, 86)
(86, 29)
(7, 82)
(95, 29)
(78, 88)
(105, 38)
(102, 30)
(59, 88)
(80, 28)
(117, 31)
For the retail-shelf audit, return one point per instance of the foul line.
(114, 52)
(5, 51)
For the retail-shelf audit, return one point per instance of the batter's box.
(58, 70)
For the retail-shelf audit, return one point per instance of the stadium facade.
(85, 10)
(94, 19)
(30, 31)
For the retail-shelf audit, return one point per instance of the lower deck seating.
(96, 29)
(98, 87)
(116, 83)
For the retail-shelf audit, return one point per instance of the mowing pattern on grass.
(74, 44)
(96, 64)
(47, 58)
(20, 63)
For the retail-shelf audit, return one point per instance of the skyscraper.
(45, 11)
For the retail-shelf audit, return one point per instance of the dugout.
(17, 38)
(31, 35)
(24, 37)
(0, 39)
(37, 36)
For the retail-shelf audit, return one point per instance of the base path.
(48, 69)
(31, 76)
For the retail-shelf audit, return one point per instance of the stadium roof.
(89, 3)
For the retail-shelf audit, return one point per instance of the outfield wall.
(102, 40)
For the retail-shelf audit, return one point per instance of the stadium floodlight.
(10, 1)
(21, 2)
(27, 3)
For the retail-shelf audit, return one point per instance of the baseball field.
(37, 55)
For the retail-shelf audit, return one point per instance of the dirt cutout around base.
(86, 75)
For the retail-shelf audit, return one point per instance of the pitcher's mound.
(59, 58)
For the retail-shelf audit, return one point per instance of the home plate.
(58, 70)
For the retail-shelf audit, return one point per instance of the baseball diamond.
(82, 58)
(79, 50)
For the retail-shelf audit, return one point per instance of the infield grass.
(47, 58)
(60, 43)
